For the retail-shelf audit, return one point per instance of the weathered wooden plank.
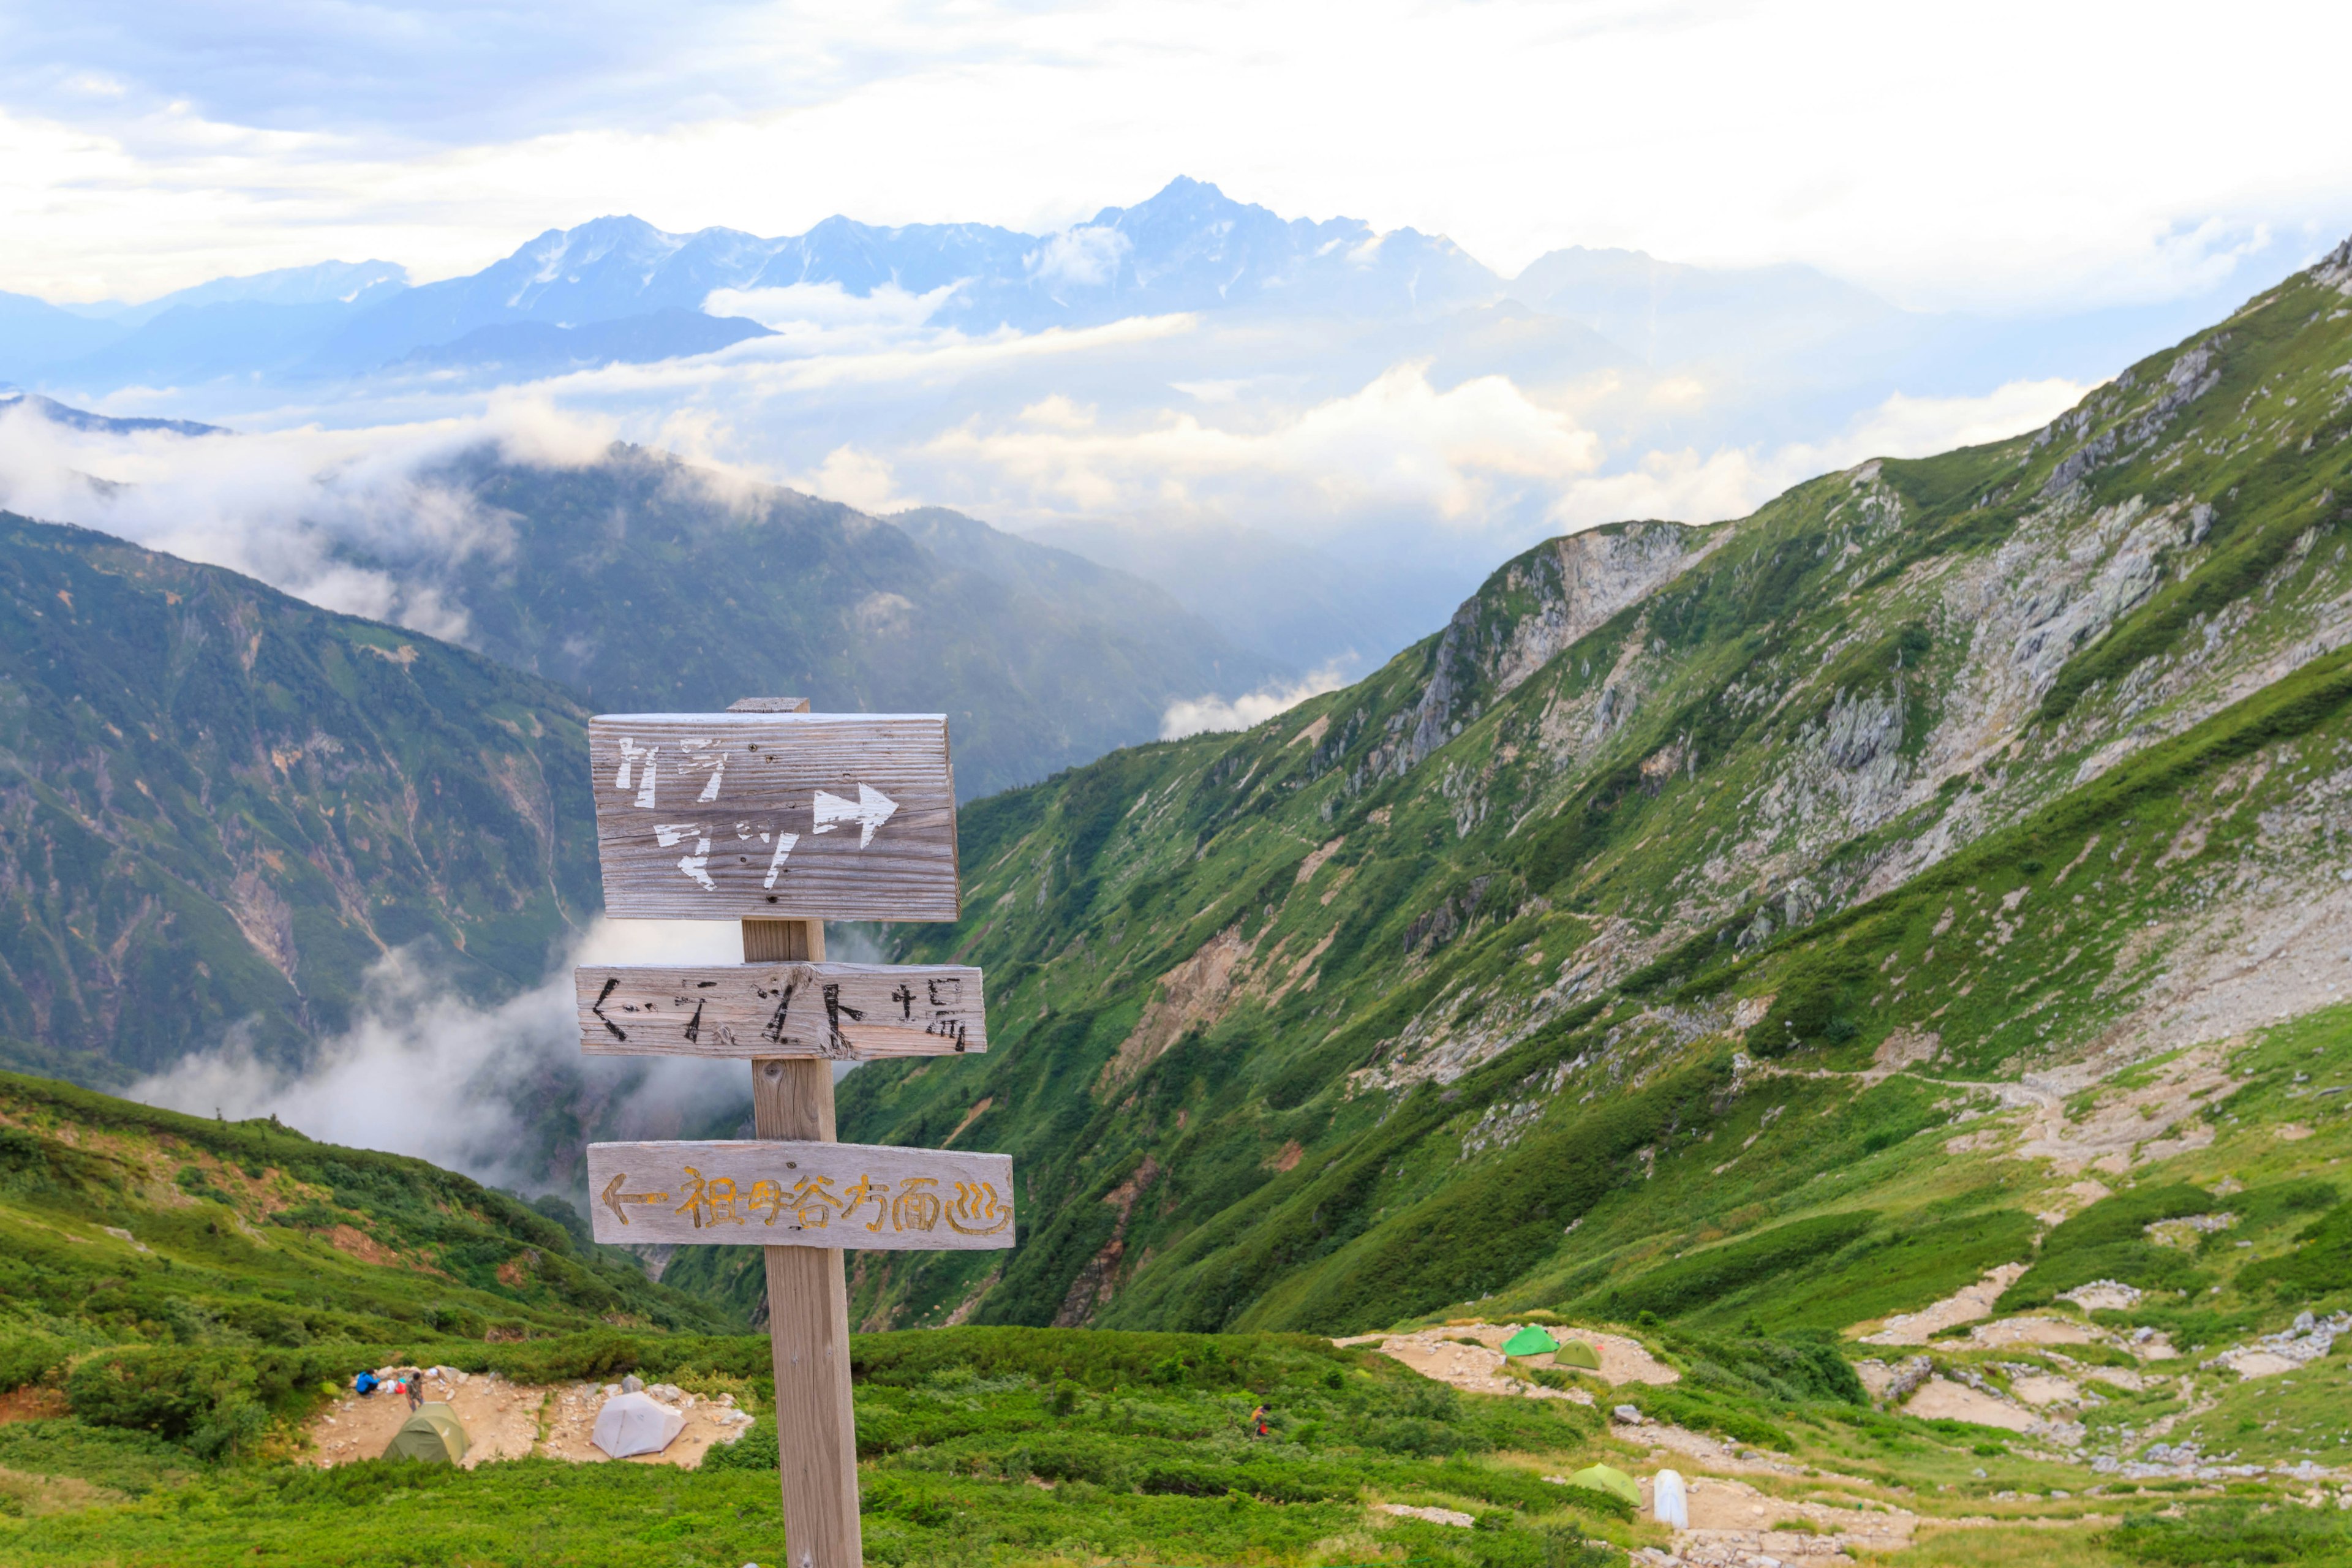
(808, 1300)
(848, 1012)
(775, 815)
(757, 1193)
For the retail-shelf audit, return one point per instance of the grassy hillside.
(123, 1224)
(195, 1280)
(219, 805)
(1733, 938)
(183, 1296)
(1676, 891)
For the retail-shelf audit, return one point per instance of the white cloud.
(1942, 155)
(1193, 715)
(1397, 442)
(827, 313)
(1735, 482)
(428, 1072)
(858, 479)
(1920, 427)
(292, 507)
(1085, 254)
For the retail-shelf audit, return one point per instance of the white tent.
(1670, 1500)
(636, 1423)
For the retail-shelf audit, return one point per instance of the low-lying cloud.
(1457, 456)
(351, 519)
(1735, 482)
(827, 315)
(1389, 464)
(1190, 716)
(501, 1092)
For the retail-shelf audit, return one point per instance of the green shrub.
(755, 1451)
(215, 1400)
(1791, 1372)
(2321, 1264)
(2109, 1241)
(132, 1462)
(28, 1358)
(1697, 1280)
(2234, 1533)
(1686, 1408)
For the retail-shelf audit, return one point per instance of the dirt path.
(1940, 1399)
(502, 1421)
(1732, 1515)
(1965, 1305)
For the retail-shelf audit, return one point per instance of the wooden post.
(808, 1302)
(825, 816)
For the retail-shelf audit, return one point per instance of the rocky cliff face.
(1532, 608)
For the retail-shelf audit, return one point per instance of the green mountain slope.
(646, 584)
(1687, 878)
(219, 805)
(131, 1230)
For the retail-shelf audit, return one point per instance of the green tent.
(1530, 1341)
(1605, 1479)
(1576, 1353)
(432, 1435)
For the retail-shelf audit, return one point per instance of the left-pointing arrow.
(614, 1197)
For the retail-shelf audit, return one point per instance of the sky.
(2014, 155)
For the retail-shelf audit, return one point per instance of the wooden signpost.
(785, 819)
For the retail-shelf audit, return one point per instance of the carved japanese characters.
(773, 1193)
(848, 1012)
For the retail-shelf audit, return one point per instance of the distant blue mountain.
(34, 333)
(560, 299)
(57, 412)
(189, 344)
(516, 349)
(321, 283)
(1188, 247)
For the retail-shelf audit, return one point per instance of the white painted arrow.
(871, 810)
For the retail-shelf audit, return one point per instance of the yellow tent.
(432, 1435)
(1576, 1353)
(1606, 1479)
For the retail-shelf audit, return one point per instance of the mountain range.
(646, 584)
(1314, 434)
(1188, 247)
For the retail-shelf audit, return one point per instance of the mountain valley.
(1876, 967)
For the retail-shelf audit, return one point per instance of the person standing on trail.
(416, 1389)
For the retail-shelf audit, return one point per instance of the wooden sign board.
(801, 1193)
(846, 816)
(847, 1012)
